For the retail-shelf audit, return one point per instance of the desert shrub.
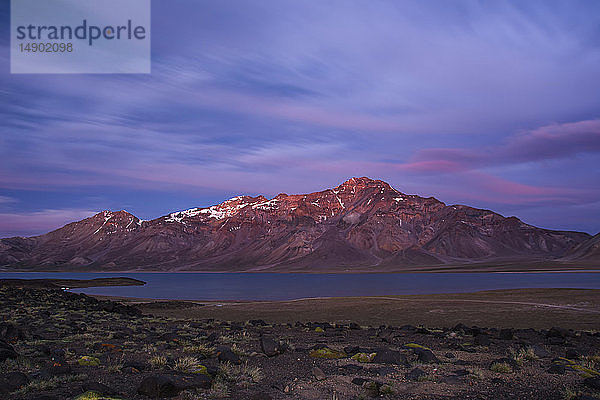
(243, 373)
(51, 383)
(184, 364)
(523, 355)
(501, 367)
(386, 390)
(158, 362)
(203, 349)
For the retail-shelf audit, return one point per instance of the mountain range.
(360, 225)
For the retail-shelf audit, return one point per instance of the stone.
(426, 355)
(572, 354)
(350, 369)
(6, 354)
(415, 374)
(12, 381)
(10, 332)
(257, 322)
(482, 340)
(460, 372)
(359, 381)
(556, 369)
(385, 371)
(94, 386)
(318, 373)
(541, 351)
(270, 347)
(260, 396)
(58, 367)
(506, 334)
(387, 334)
(558, 333)
(157, 387)
(192, 381)
(592, 382)
(387, 356)
(225, 354)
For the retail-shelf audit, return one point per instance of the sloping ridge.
(587, 251)
(360, 225)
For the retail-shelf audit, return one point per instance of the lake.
(272, 286)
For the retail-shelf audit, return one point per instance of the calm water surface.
(270, 286)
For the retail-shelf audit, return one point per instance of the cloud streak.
(491, 104)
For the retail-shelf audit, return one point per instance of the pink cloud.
(549, 142)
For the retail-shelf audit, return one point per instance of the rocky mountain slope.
(586, 251)
(362, 224)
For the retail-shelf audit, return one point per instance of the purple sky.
(491, 104)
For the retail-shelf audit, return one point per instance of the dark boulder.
(7, 354)
(425, 355)
(225, 354)
(506, 334)
(192, 381)
(12, 381)
(415, 374)
(592, 382)
(157, 387)
(10, 333)
(359, 381)
(557, 332)
(270, 347)
(557, 336)
(350, 369)
(95, 386)
(387, 356)
(387, 334)
(257, 322)
(318, 373)
(482, 339)
(572, 354)
(558, 369)
(260, 396)
(57, 367)
(541, 351)
(461, 372)
(354, 326)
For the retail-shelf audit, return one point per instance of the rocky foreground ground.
(59, 345)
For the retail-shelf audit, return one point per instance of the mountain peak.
(364, 182)
(362, 223)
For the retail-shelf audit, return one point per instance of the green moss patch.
(364, 357)
(91, 395)
(88, 361)
(198, 369)
(326, 352)
(416, 346)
